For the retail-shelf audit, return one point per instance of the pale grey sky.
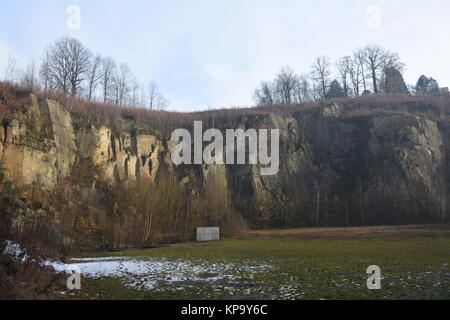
(214, 53)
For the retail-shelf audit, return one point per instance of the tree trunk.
(318, 205)
(346, 213)
(374, 79)
(326, 207)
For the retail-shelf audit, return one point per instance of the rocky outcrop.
(371, 169)
(39, 146)
(385, 168)
(124, 155)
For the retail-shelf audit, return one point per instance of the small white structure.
(208, 234)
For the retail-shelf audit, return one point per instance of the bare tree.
(356, 74)
(285, 85)
(152, 95)
(134, 92)
(360, 65)
(108, 69)
(156, 100)
(320, 74)
(143, 98)
(44, 74)
(355, 71)
(374, 57)
(68, 64)
(264, 94)
(287, 88)
(29, 77)
(11, 72)
(344, 66)
(94, 75)
(122, 83)
(303, 90)
(161, 103)
(391, 66)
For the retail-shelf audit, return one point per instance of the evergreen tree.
(335, 90)
(393, 82)
(426, 85)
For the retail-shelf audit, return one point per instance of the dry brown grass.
(25, 278)
(162, 122)
(413, 231)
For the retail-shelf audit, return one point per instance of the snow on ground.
(15, 251)
(152, 274)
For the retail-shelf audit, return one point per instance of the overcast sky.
(211, 53)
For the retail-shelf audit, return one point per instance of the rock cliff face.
(125, 156)
(38, 145)
(385, 168)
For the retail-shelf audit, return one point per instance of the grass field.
(293, 264)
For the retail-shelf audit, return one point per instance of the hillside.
(91, 175)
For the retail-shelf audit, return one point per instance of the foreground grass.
(303, 269)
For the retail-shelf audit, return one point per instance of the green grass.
(307, 269)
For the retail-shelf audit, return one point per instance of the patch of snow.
(15, 251)
(152, 274)
(98, 259)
